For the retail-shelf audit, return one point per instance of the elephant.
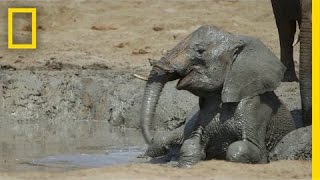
(240, 119)
(289, 13)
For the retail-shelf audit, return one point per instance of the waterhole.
(56, 119)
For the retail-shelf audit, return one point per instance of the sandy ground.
(205, 170)
(123, 35)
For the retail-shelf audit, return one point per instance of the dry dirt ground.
(211, 170)
(123, 34)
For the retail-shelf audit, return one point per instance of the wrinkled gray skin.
(297, 145)
(289, 13)
(240, 119)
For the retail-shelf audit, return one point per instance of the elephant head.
(211, 61)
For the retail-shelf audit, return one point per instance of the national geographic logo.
(11, 44)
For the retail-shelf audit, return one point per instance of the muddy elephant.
(289, 14)
(240, 118)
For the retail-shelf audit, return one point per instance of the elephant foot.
(192, 150)
(245, 152)
(290, 76)
(165, 142)
(155, 150)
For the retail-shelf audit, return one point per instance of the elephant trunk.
(156, 81)
(168, 68)
(305, 70)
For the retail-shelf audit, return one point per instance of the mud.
(105, 96)
(52, 111)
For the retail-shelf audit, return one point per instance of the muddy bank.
(105, 96)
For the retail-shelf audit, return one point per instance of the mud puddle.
(121, 146)
(66, 162)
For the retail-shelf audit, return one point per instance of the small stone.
(41, 27)
(18, 61)
(157, 28)
(163, 52)
(121, 45)
(140, 51)
(54, 65)
(103, 27)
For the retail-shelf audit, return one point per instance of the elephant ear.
(255, 70)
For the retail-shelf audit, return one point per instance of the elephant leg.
(254, 115)
(162, 142)
(165, 142)
(286, 29)
(245, 152)
(192, 150)
(156, 150)
(286, 41)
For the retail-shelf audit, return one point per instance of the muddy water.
(119, 146)
(111, 157)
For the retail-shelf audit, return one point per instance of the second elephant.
(289, 13)
(239, 118)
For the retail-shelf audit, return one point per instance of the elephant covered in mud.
(289, 13)
(240, 119)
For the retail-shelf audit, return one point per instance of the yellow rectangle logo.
(33, 12)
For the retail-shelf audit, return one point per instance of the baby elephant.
(240, 119)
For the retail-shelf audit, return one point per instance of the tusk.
(296, 41)
(296, 36)
(140, 77)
